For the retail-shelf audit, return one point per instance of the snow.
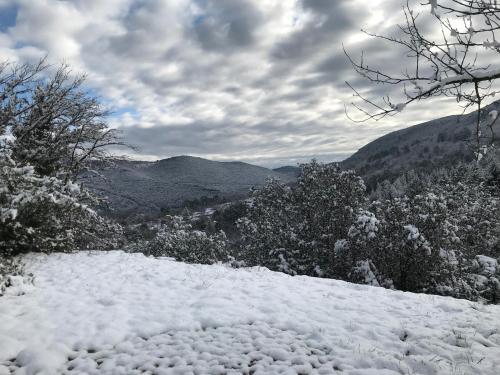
(458, 79)
(118, 313)
(399, 107)
(491, 44)
(487, 264)
(414, 233)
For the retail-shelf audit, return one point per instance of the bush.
(178, 240)
(484, 279)
(43, 214)
(431, 239)
(9, 269)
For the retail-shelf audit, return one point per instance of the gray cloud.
(329, 22)
(225, 25)
(259, 80)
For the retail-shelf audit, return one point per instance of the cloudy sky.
(254, 80)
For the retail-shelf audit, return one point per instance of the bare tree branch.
(451, 64)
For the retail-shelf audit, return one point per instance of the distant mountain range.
(149, 187)
(435, 143)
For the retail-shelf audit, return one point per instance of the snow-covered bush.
(406, 246)
(10, 267)
(41, 213)
(429, 237)
(425, 235)
(365, 272)
(178, 240)
(484, 278)
(294, 228)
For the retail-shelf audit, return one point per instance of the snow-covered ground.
(117, 313)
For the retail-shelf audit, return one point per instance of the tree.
(50, 131)
(453, 59)
(57, 127)
(269, 229)
(294, 229)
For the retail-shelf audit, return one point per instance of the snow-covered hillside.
(117, 313)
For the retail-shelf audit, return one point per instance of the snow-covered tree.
(294, 229)
(484, 279)
(57, 127)
(269, 229)
(50, 128)
(437, 233)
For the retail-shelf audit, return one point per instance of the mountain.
(288, 170)
(147, 187)
(435, 143)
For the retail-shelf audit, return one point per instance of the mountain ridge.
(436, 143)
(145, 187)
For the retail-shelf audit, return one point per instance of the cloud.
(259, 80)
(225, 25)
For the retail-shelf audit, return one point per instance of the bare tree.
(56, 125)
(454, 59)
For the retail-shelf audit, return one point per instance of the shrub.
(43, 214)
(178, 240)
(430, 239)
(9, 269)
(484, 279)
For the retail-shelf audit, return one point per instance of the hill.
(118, 313)
(145, 187)
(435, 143)
(288, 170)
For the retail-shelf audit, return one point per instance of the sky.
(261, 81)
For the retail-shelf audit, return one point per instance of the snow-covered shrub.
(429, 237)
(137, 246)
(484, 279)
(392, 239)
(42, 214)
(294, 228)
(328, 200)
(178, 240)
(355, 249)
(364, 272)
(9, 267)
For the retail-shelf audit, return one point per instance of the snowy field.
(117, 313)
